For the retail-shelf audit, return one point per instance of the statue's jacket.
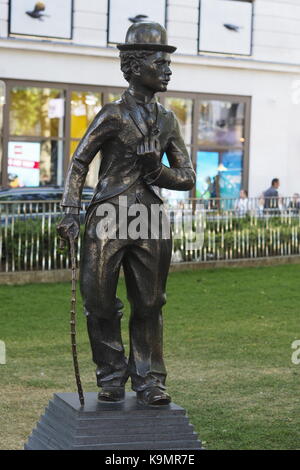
(116, 131)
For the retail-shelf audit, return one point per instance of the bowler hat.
(147, 36)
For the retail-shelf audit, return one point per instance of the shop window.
(221, 123)
(36, 112)
(36, 142)
(84, 108)
(220, 149)
(33, 164)
(183, 110)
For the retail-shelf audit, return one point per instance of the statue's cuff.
(151, 177)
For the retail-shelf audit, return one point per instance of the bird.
(36, 13)
(232, 27)
(138, 18)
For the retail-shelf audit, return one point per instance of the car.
(36, 202)
(46, 193)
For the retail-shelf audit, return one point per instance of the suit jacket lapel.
(135, 114)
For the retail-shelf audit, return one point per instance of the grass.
(228, 335)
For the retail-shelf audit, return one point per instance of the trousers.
(145, 264)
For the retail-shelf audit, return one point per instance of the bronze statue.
(132, 134)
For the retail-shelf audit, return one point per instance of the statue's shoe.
(153, 396)
(111, 394)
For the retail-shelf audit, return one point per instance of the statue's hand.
(69, 227)
(149, 152)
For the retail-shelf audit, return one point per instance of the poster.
(225, 26)
(207, 170)
(123, 14)
(24, 164)
(231, 179)
(219, 175)
(49, 18)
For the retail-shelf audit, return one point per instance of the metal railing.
(241, 228)
(28, 238)
(230, 229)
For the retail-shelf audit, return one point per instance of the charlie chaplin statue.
(132, 134)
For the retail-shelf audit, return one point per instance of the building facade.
(235, 86)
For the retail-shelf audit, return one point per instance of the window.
(85, 105)
(221, 123)
(36, 141)
(43, 125)
(215, 129)
(122, 14)
(220, 148)
(225, 26)
(36, 112)
(183, 110)
(44, 19)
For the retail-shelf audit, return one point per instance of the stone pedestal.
(125, 425)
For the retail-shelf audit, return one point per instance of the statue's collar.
(139, 100)
(136, 115)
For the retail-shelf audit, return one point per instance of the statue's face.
(155, 72)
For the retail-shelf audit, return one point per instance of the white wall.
(182, 25)
(90, 22)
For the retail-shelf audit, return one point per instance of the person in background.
(260, 205)
(208, 190)
(206, 195)
(215, 192)
(241, 205)
(271, 195)
(294, 205)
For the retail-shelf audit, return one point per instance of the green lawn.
(228, 335)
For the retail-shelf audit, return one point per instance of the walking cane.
(73, 322)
